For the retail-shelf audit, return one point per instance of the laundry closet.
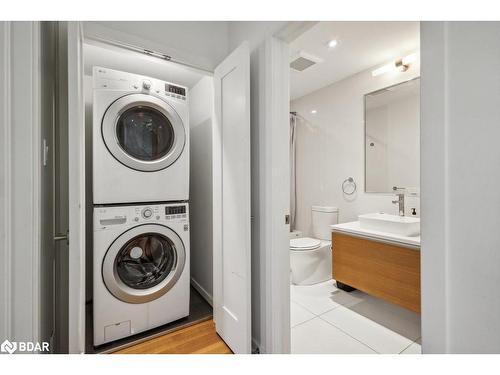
(162, 218)
(148, 163)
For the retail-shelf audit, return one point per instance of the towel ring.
(349, 181)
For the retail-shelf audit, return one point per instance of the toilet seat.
(304, 244)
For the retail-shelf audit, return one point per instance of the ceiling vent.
(301, 61)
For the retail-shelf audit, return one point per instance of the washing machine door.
(143, 263)
(143, 132)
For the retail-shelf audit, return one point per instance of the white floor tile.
(298, 314)
(397, 319)
(369, 332)
(414, 348)
(320, 298)
(317, 336)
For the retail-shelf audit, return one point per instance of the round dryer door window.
(143, 132)
(143, 263)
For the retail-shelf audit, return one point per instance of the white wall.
(330, 148)
(203, 44)
(20, 181)
(201, 107)
(460, 179)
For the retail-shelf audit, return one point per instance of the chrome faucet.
(400, 200)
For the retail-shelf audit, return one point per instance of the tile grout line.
(414, 342)
(341, 330)
(407, 347)
(312, 312)
(305, 321)
(346, 305)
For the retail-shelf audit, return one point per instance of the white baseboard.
(202, 291)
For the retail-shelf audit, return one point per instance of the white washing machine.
(140, 139)
(141, 268)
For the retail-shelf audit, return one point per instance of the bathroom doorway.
(354, 167)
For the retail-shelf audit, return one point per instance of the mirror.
(392, 138)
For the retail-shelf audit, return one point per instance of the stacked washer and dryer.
(140, 193)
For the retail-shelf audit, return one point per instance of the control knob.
(147, 213)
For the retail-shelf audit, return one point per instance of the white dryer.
(140, 139)
(141, 268)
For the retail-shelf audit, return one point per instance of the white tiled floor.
(325, 319)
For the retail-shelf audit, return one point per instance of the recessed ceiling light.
(332, 43)
(314, 111)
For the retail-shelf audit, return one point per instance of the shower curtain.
(293, 194)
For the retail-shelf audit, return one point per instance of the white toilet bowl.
(310, 260)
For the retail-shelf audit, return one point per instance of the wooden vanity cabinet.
(384, 270)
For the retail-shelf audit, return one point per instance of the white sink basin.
(401, 225)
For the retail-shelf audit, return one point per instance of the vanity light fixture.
(333, 43)
(314, 111)
(401, 65)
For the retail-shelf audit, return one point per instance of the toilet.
(311, 257)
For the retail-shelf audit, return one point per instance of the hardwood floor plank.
(200, 338)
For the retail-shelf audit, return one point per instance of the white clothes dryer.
(140, 139)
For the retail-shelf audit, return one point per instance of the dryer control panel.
(109, 217)
(109, 79)
(177, 91)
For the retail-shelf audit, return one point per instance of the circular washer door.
(143, 263)
(143, 132)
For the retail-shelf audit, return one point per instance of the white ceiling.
(361, 45)
(107, 56)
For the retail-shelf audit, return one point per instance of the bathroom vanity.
(385, 265)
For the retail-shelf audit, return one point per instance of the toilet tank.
(322, 218)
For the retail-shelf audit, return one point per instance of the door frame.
(272, 277)
(76, 190)
(270, 195)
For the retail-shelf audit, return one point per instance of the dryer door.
(143, 263)
(143, 132)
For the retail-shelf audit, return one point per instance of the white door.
(76, 196)
(231, 201)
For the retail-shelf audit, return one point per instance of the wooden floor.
(199, 338)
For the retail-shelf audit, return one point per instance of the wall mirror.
(392, 138)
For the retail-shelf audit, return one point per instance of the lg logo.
(10, 347)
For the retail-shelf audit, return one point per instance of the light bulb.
(332, 43)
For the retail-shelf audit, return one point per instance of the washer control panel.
(108, 217)
(147, 213)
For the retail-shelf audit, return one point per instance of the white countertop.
(354, 228)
